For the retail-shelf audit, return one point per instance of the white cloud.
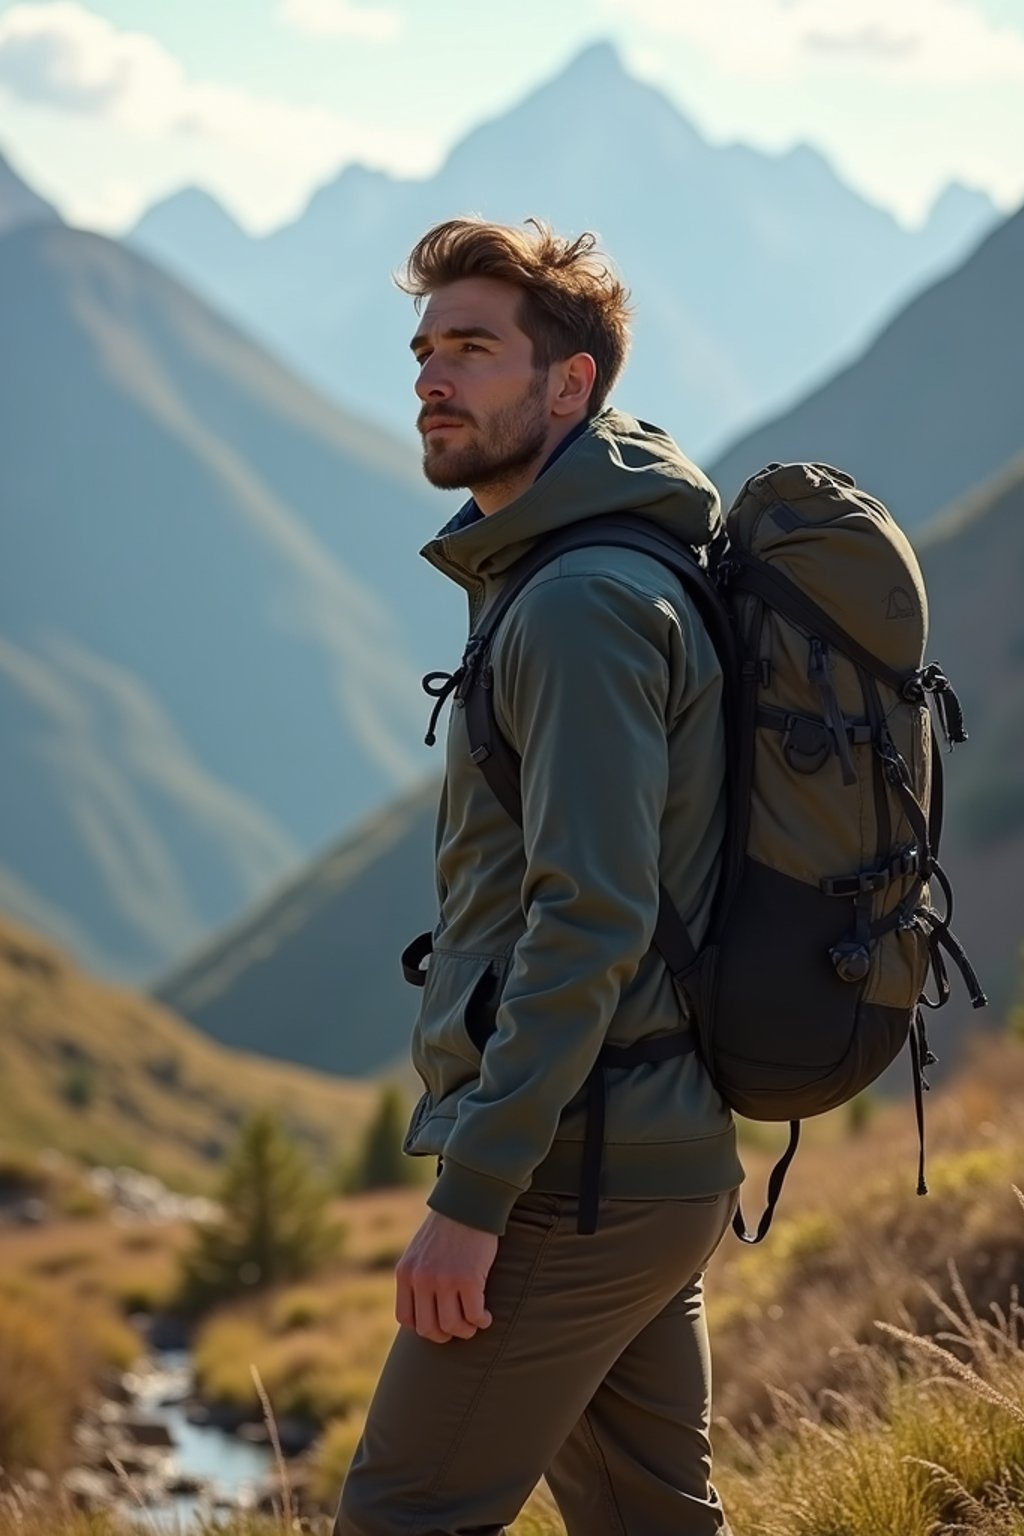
(927, 41)
(63, 55)
(341, 18)
(59, 54)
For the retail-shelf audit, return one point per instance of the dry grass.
(851, 1448)
(932, 1441)
(53, 1353)
(854, 1240)
(133, 1267)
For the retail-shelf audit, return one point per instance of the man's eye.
(471, 346)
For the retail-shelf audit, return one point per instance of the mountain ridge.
(733, 255)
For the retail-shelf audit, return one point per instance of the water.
(233, 1467)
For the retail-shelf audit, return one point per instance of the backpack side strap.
(776, 1179)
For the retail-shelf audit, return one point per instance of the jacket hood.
(618, 464)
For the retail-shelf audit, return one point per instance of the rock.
(166, 1332)
(146, 1432)
(140, 1460)
(31, 1212)
(254, 1434)
(186, 1483)
(115, 1386)
(296, 1435)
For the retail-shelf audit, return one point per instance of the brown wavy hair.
(572, 300)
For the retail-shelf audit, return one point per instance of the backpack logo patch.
(901, 604)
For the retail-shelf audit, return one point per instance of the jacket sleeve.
(587, 676)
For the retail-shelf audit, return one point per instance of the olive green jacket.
(608, 688)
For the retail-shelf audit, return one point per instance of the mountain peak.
(192, 204)
(960, 215)
(599, 59)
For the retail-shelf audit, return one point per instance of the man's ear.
(575, 376)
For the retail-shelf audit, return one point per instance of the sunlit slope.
(104, 1073)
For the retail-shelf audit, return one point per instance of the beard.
(511, 438)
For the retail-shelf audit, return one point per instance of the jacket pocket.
(457, 1013)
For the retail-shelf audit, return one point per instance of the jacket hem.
(705, 1165)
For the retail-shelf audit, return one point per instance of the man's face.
(485, 414)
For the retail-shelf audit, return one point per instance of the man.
(526, 1346)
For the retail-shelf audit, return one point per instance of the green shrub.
(274, 1226)
(380, 1162)
(78, 1087)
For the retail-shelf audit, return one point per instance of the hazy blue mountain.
(19, 204)
(957, 210)
(754, 275)
(213, 242)
(312, 975)
(213, 617)
(932, 407)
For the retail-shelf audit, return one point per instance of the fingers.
(428, 1325)
(473, 1308)
(451, 1316)
(440, 1313)
(405, 1309)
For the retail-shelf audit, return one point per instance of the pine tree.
(381, 1163)
(274, 1225)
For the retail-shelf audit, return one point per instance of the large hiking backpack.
(812, 976)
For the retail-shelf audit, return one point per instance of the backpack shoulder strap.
(489, 749)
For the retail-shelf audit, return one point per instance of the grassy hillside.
(102, 1073)
(826, 1423)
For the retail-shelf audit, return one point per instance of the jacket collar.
(612, 463)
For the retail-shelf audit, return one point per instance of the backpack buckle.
(868, 883)
(806, 744)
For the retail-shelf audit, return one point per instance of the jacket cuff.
(474, 1199)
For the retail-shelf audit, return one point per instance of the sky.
(106, 106)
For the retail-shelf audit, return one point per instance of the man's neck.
(495, 497)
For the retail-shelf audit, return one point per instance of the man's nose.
(432, 382)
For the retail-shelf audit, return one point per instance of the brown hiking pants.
(594, 1373)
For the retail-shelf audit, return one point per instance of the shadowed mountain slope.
(312, 974)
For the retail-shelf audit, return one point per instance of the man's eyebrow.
(456, 333)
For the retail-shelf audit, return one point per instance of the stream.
(229, 1467)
